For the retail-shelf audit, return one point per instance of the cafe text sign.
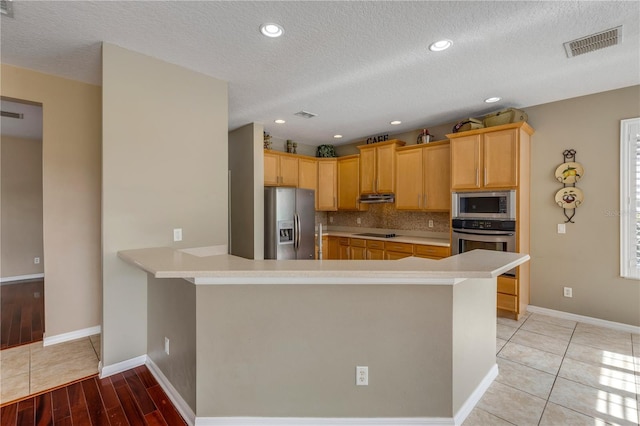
(380, 138)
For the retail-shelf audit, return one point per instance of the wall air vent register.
(594, 42)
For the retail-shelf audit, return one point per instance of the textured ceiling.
(358, 65)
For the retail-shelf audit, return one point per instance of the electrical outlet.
(568, 292)
(362, 376)
(330, 219)
(36, 260)
(166, 345)
(562, 228)
(430, 223)
(358, 221)
(177, 234)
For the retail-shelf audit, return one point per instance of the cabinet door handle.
(485, 175)
(477, 176)
(425, 201)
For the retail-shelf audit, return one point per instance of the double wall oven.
(484, 220)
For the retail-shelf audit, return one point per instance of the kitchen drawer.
(399, 247)
(508, 285)
(507, 302)
(343, 241)
(431, 251)
(375, 244)
(358, 242)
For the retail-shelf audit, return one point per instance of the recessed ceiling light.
(395, 122)
(337, 136)
(271, 30)
(279, 121)
(440, 45)
(492, 99)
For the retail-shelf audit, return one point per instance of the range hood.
(377, 198)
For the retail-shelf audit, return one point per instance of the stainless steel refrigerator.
(289, 223)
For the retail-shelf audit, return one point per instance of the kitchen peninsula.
(266, 340)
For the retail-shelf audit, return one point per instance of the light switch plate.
(562, 228)
(177, 234)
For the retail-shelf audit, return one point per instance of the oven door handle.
(490, 233)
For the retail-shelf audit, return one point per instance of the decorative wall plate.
(569, 197)
(569, 172)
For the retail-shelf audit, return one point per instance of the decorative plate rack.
(569, 197)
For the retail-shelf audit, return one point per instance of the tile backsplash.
(385, 216)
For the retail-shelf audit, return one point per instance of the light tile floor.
(559, 372)
(30, 369)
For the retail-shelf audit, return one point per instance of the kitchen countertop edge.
(166, 262)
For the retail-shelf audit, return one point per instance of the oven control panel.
(498, 225)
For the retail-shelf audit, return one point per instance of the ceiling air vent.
(305, 114)
(9, 114)
(6, 8)
(594, 42)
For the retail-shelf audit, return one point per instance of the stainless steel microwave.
(484, 205)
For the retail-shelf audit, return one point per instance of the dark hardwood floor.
(130, 398)
(21, 313)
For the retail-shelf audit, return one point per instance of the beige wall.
(587, 257)
(246, 215)
(71, 194)
(171, 313)
(291, 350)
(164, 166)
(21, 206)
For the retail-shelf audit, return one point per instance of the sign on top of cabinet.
(378, 167)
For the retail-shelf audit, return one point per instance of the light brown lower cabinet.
(333, 245)
(357, 249)
(508, 294)
(325, 247)
(431, 252)
(394, 251)
(375, 250)
(343, 248)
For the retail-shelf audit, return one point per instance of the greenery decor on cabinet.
(327, 151)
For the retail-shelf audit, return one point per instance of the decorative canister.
(424, 137)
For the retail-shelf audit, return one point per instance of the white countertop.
(165, 262)
(442, 242)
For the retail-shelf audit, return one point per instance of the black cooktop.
(372, 234)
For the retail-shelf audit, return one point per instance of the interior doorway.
(21, 230)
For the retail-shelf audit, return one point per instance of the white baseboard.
(460, 416)
(181, 405)
(119, 367)
(317, 421)
(475, 396)
(588, 320)
(21, 278)
(72, 335)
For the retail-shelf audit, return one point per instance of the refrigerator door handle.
(296, 231)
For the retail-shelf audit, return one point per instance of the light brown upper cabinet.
(487, 158)
(308, 175)
(349, 183)
(423, 177)
(280, 169)
(377, 167)
(327, 184)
